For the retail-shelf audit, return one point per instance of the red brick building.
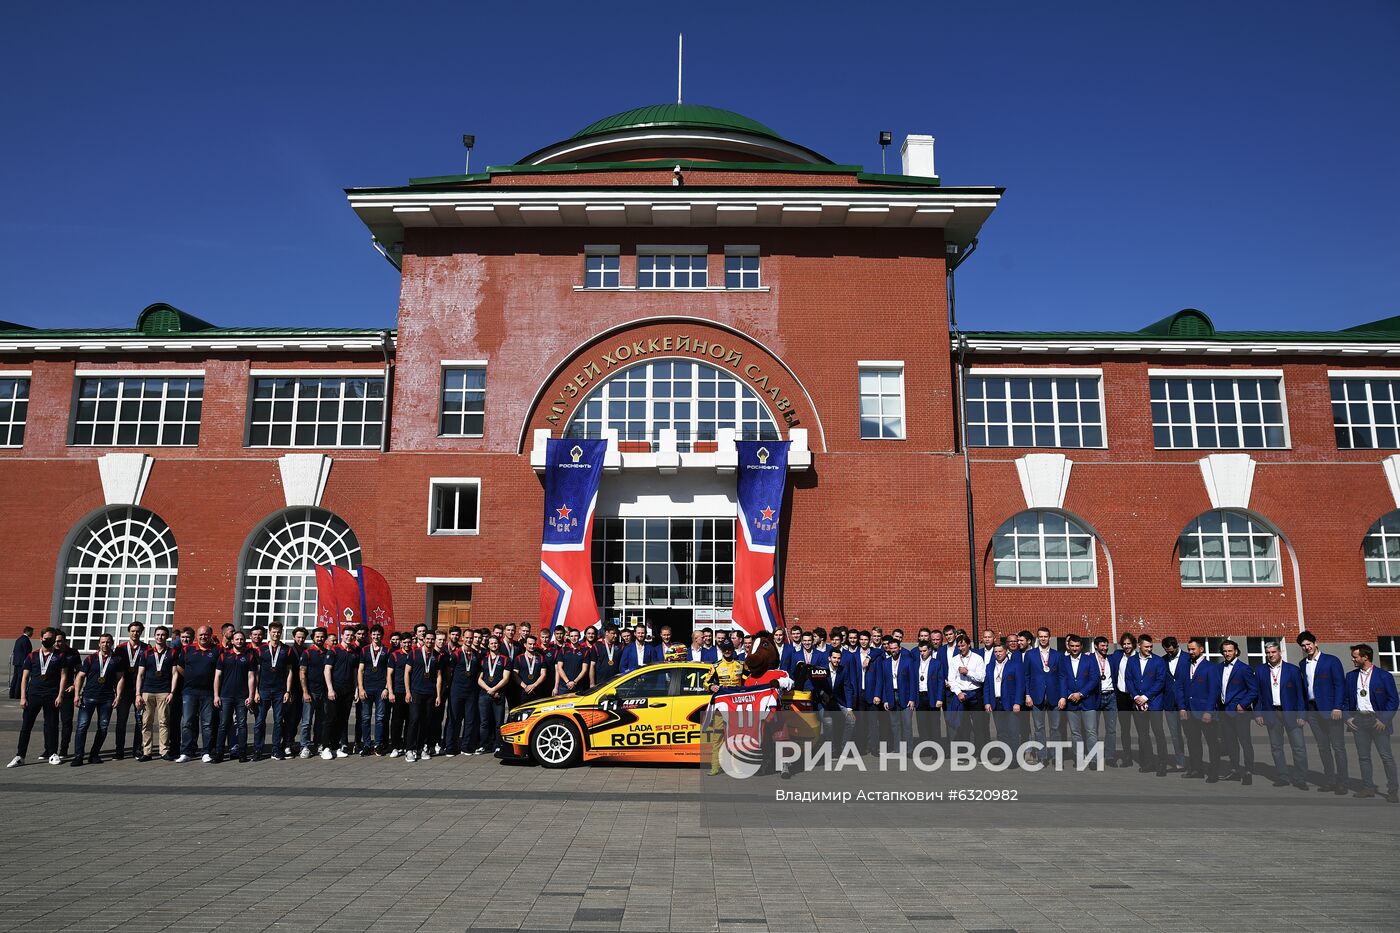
(672, 278)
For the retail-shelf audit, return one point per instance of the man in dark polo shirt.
(40, 691)
(99, 680)
(72, 660)
(343, 664)
(572, 665)
(372, 681)
(462, 721)
(276, 667)
(423, 686)
(235, 692)
(397, 698)
(313, 691)
(129, 659)
(198, 663)
(291, 711)
(155, 695)
(179, 641)
(491, 700)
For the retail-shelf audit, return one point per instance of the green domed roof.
(693, 116)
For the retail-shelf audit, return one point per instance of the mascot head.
(764, 656)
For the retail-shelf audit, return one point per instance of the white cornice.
(40, 344)
(1013, 346)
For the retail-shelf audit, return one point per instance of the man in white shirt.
(966, 673)
(1108, 701)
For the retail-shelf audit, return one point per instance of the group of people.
(1034, 692)
(189, 695)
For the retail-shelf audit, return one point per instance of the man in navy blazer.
(810, 656)
(1002, 692)
(929, 676)
(1107, 708)
(1042, 667)
(1200, 694)
(1238, 694)
(1175, 660)
(1369, 703)
(1282, 709)
(1079, 693)
(1147, 683)
(1123, 697)
(1322, 686)
(901, 693)
(640, 653)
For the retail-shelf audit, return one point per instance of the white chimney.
(917, 155)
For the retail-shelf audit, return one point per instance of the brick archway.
(579, 372)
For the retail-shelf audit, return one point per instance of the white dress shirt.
(1363, 691)
(1225, 680)
(972, 680)
(924, 665)
(1309, 669)
(1123, 674)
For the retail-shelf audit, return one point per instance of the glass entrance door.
(660, 570)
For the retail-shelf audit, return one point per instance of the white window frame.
(880, 367)
(121, 376)
(1040, 537)
(1226, 559)
(1261, 657)
(306, 534)
(1388, 657)
(597, 250)
(630, 598)
(436, 483)
(7, 428)
(443, 367)
(1039, 372)
(1227, 373)
(1376, 531)
(744, 252)
(1366, 376)
(121, 567)
(298, 375)
(673, 251)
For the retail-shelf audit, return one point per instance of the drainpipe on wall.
(386, 421)
(958, 414)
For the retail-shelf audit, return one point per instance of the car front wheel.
(556, 743)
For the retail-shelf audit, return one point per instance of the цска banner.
(571, 474)
(762, 480)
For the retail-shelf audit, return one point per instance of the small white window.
(601, 266)
(463, 400)
(14, 409)
(882, 401)
(454, 506)
(1256, 648)
(741, 267)
(673, 267)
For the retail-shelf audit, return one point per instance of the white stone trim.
(1229, 480)
(124, 477)
(138, 373)
(881, 364)
(16, 373)
(446, 363)
(1246, 372)
(304, 478)
(1363, 374)
(1035, 371)
(1178, 347)
(1044, 479)
(1391, 466)
(127, 345)
(316, 372)
(446, 580)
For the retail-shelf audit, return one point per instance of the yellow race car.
(650, 714)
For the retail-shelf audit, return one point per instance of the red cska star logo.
(564, 511)
(767, 514)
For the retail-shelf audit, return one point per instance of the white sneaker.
(483, 750)
(427, 754)
(437, 749)
(468, 753)
(305, 753)
(208, 759)
(410, 757)
(327, 754)
(15, 762)
(287, 752)
(55, 760)
(394, 753)
(450, 755)
(342, 753)
(182, 759)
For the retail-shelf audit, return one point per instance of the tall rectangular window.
(316, 411)
(600, 267)
(1388, 652)
(463, 401)
(1007, 410)
(1256, 649)
(14, 409)
(741, 267)
(1207, 412)
(152, 411)
(454, 506)
(1366, 412)
(678, 269)
(882, 401)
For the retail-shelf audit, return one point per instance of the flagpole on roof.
(680, 58)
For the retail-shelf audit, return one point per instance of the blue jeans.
(492, 714)
(1083, 728)
(103, 708)
(901, 725)
(372, 712)
(198, 706)
(233, 725)
(269, 704)
(1045, 725)
(1108, 707)
(312, 708)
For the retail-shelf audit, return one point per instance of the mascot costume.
(740, 716)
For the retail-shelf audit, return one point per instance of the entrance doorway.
(664, 571)
(452, 605)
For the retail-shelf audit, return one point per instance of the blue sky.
(1238, 157)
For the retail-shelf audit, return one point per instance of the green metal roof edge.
(649, 165)
(678, 115)
(1235, 336)
(208, 334)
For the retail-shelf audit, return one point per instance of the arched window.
(1381, 550)
(694, 398)
(279, 567)
(1225, 548)
(120, 568)
(1038, 548)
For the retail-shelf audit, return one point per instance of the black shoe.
(1392, 797)
(1247, 779)
(1212, 779)
(1326, 788)
(243, 759)
(120, 755)
(1161, 772)
(1364, 793)
(1280, 783)
(1301, 785)
(94, 759)
(1340, 790)
(76, 762)
(1144, 770)
(143, 758)
(257, 756)
(168, 756)
(1193, 774)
